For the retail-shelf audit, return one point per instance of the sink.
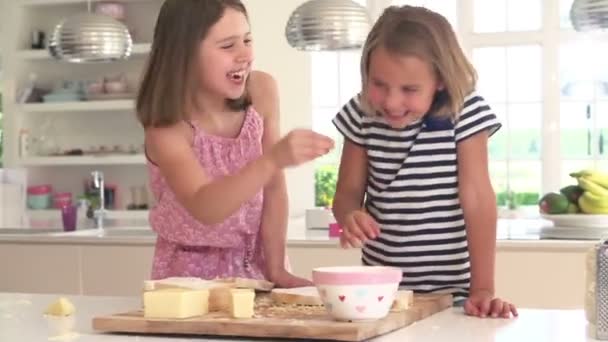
(111, 232)
(29, 231)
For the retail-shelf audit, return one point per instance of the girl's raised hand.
(300, 146)
(358, 227)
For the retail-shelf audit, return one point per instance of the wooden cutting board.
(271, 321)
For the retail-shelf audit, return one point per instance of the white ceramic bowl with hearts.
(357, 293)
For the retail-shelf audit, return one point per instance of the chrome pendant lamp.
(328, 25)
(90, 38)
(589, 15)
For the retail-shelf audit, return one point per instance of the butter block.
(176, 303)
(403, 300)
(242, 302)
(60, 307)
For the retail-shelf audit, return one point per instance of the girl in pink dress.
(215, 157)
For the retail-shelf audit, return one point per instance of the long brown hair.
(417, 31)
(166, 89)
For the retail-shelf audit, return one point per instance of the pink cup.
(334, 230)
(68, 216)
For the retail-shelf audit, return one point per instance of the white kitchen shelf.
(64, 2)
(139, 49)
(137, 159)
(79, 106)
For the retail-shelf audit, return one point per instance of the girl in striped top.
(413, 186)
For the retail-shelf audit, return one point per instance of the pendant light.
(90, 38)
(589, 15)
(328, 25)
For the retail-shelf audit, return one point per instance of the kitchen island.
(22, 319)
(116, 260)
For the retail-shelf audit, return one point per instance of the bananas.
(594, 199)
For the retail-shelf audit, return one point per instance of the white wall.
(291, 68)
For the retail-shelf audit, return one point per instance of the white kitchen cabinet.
(529, 276)
(115, 270)
(527, 273)
(40, 268)
(112, 122)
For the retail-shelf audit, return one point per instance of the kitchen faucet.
(100, 213)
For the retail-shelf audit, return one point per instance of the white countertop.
(512, 234)
(22, 319)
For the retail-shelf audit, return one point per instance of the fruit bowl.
(357, 293)
(578, 220)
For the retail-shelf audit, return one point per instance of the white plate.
(578, 220)
(573, 233)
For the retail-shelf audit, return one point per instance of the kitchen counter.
(510, 234)
(22, 319)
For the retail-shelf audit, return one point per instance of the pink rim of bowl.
(39, 189)
(354, 275)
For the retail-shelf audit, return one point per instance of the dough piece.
(308, 295)
(403, 300)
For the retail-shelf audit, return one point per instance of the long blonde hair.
(417, 31)
(166, 89)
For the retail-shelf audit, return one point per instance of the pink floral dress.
(187, 248)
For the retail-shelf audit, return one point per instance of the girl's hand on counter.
(358, 227)
(482, 303)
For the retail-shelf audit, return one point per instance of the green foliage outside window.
(325, 185)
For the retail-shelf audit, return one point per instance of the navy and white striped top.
(412, 192)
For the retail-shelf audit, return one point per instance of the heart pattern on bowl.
(357, 302)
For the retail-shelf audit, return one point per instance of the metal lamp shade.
(88, 37)
(328, 25)
(589, 15)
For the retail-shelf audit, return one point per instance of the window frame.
(550, 38)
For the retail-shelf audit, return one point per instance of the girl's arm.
(479, 207)
(210, 202)
(265, 99)
(352, 178)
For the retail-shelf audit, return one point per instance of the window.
(447, 8)
(1, 130)
(546, 83)
(510, 80)
(583, 106)
(335, 80)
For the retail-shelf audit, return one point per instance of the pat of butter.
(403, 300)
(61, 307)
(241, 303)
(176, 303)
